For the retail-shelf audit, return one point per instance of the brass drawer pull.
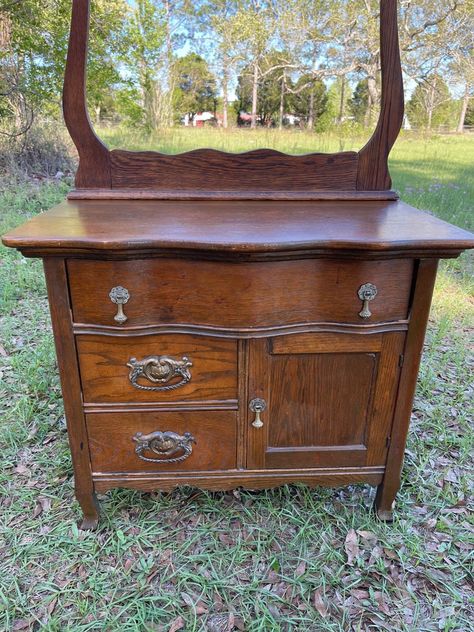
(164, 444)
(366, 293)
(257, 406)
(119, 295)
(159, 370)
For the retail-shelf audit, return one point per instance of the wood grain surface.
(261, 169)
(118, 228)
(250, 479)
(238, 295)
(113, 450)
(103, 363)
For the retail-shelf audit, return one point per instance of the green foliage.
(134, 46)
(270, 78)
(431, 104)
(309, 100)
(35, 51)
(195, 86)
(359, 101)
(470, 113)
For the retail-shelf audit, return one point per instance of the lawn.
(254, 561)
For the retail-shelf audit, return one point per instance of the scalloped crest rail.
(211, 174)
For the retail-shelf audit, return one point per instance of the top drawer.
(238, 295)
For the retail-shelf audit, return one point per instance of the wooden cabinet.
(328, 399)
(226, 320)
(234, 367)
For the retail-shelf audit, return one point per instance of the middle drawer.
(157, 368)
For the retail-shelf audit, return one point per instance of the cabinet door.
(329, 399)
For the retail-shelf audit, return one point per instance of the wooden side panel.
(259, 387)
(385, 396)
(238, 295)
(211, 170)
(56, 281)
(425, 280)
(113, 449)
(104, 366)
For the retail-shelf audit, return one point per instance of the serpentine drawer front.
(162, 441)
(222, 294)
(157, 368)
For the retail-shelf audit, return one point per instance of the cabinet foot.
(385, 502)
(90, 510)
(385, 515)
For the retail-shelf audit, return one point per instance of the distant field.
(434, 172)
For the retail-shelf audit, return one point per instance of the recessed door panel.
(320, 399)
(329, 399)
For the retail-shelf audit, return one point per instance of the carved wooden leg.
(58, 291)
(90, 509)
(387, 490)
(385, 499)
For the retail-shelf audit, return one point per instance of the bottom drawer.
(162, 441)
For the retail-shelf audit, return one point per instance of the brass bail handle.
(119, 295)
(257, 406)
(366, 293)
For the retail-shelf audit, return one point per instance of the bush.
(44, 151)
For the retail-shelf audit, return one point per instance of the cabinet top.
(238, 230)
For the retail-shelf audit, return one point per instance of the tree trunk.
(169, 55)
(373, 96)
(368, 112)
(431, 101)
(253, 123)
(465, 105)
(311, 110)
(343, 99)
(282, 102)
(225, 91)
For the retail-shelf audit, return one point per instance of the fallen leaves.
(351, 546)
(197, 606)
(42, 505)
(319, 603)
(300, 569)
(178, 624)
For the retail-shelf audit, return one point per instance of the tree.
(430, 103)
(34, 68)
(461, 55)
(359, 101)
(271, 89)
(310, 102)
(195, 89)
(254, 26)
(218, 32)
(469, 119)
(143, 53)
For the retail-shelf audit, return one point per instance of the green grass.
(263, 559)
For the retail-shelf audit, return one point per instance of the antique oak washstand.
(226, 320)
